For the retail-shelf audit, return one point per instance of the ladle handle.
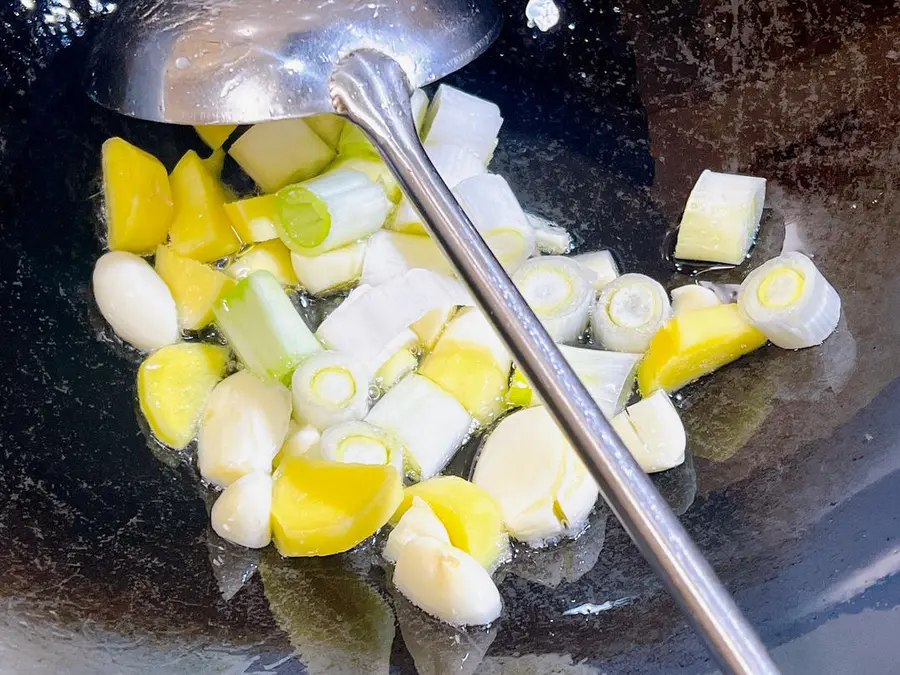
(372, 91)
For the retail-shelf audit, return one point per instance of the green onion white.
(335, 270)
(368, 322)
(330, 211)
(277, 153)
(602, 264)
(375, 168)
(391, 254)
(357, 442)
(454, 163)
(402, 363)
(628, 313)
(135, 301)
(242, 513)
(418, 521)
(446, 582)
(652, 431)
(495, 212)
(548, 236)
(455, 117)
(428, 421)
(720, 218)
(790, 301)
(329, 388)
(263, 327)
(244, 425)
(559, 292)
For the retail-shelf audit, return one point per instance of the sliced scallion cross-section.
(330, 388)
(628, 313)
(559, 292)
(790, 301)
(330, 211)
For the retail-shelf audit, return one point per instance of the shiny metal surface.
(369, 88)
(244, 61)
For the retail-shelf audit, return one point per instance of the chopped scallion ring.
(559, 292)
(789, 300)
(330, 388)
(357, 442)
(428, 421)
(330, 211)
(628, 313)
(494, 210)
(609, 377)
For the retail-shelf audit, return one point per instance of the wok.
(109, 567)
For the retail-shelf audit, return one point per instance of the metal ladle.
(246, 61)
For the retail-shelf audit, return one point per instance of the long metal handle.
(371, 90)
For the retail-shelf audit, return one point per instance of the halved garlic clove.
(241, 514)
(447, 583)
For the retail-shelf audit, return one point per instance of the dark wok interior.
(792, 490)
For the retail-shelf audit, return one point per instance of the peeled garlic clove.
(418, 521)
(244, 425)
(241, 513)
(135, 301)
(447, 583)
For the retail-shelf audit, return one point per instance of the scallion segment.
(428, 421)
(494, 210)
(454, 164)
(329, 388)
(559, 292)
(262, 326)
(720, 218)
(357, 442)
(456, 117)
(628, 313)
(549, 237)
(790, 301)
(391, 254)
(368, 322)
(330, 211)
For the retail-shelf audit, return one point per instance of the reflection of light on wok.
(567, 561)
(438, 649)
(334, 618)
